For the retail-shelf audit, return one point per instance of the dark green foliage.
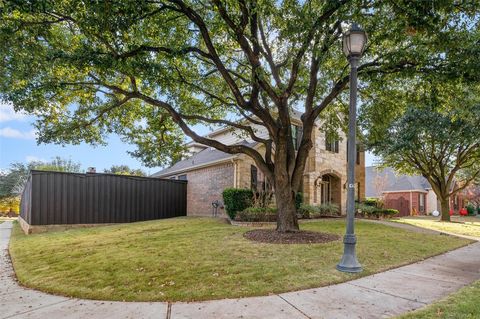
(236, 200)
(371, 201)
(471, 210)
(298, 200)
(257, 214)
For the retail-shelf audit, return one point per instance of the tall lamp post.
(353, 42)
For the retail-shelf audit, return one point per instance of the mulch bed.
(271, 236)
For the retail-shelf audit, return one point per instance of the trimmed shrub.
(471, 210)
(298, 200)
(387, 213)
(371, 201)
(374, 212)
(257, 214)
(364, 209)
(236, 200)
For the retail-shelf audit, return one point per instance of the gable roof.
(379, 180)
(207, 156)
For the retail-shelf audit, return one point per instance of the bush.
(375, 202)
(298, 200)
(10, 203)
(364, 209)
(372, 211)
(329, 209)
(323, 210)
(308, 211)
(471, 210)
(387, 213)
(236, 200)
(257, 214)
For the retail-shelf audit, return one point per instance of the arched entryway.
(328, 190)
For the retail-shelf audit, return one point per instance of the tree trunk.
(445, 205)
(285, 198)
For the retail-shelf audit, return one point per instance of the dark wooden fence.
(57, 198)
(401, 204)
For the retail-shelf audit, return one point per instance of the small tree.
(58, 164)
(13, 181)
(124, 170)
(437, 138)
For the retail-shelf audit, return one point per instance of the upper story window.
(331, 143)
(297, 132)
(182, 177)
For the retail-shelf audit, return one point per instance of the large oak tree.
(150, 70)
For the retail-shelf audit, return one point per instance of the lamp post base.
(349, 262)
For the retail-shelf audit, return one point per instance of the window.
(297, 132)
(253, 177)
(358, 156)
(182, 177)
(325, 190)
(421, 203)
(173, 177)
(331, 143)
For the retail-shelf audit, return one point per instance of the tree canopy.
(152, 70)
(124, 170)
(13, 180)
(435, 136)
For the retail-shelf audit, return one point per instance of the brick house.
(209, 171)
(409, 194)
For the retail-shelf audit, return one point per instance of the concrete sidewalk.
(378, 296)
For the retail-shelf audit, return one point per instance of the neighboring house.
(411, 195)
(209, 171)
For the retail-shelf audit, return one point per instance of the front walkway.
(378, 296)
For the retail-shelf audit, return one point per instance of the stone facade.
(322, 162)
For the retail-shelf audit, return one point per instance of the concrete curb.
(382, 295)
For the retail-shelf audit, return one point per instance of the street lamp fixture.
(353, 42)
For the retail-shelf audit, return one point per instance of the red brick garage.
(406, 202)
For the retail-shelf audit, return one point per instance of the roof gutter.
(227, 159)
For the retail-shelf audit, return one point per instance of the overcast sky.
(17, 144)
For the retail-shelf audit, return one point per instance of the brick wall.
(206, 185)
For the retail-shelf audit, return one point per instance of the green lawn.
(463, 304)
(469, 226)
(185, 259)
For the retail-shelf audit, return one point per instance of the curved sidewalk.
(382, 295)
